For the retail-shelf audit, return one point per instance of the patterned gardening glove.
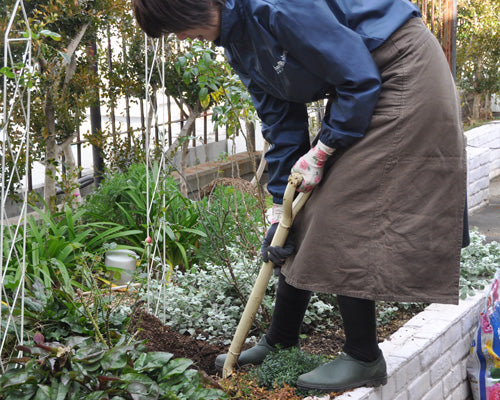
(276, 254)
(310, 166)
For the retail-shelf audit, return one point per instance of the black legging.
(358, 315)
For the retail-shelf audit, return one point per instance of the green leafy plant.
(284, 366)
(54, 241)
(388, 311)
(231, 218)
(100, 313)
(206, 299)
(83, 369)
(122, 199)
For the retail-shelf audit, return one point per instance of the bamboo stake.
(290, 210)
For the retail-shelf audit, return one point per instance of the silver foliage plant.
(479, 262)
(204, 300)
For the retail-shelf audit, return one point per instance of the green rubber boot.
(253, 356)
(345, 373)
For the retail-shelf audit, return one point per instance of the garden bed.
(159, 337)
(425, 351)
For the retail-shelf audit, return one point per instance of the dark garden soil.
(160, 337)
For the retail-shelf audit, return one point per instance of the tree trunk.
(72, 167)
(95, 124)
(476, 106)
(487, 106)
(183, 167)
(182, 142)
(49, 191)
(250, 129)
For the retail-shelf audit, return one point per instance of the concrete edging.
(483, 162)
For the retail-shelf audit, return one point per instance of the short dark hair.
(161, 17)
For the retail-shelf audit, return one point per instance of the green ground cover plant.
(479, 262)
(122, 198)
(206, 298)
(284, 366)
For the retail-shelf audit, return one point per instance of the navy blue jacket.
(291, 52)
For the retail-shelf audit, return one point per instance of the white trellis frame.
(156, 251)
(15, 97)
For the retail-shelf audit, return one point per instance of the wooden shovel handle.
(290, 209)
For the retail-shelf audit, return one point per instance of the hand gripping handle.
(290, 209)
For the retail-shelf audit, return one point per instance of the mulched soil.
(159, 337)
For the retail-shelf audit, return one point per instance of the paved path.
(487, 219)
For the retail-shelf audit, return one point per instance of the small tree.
(478, 51)
(192, 72)
(122, 69)
(63, 84)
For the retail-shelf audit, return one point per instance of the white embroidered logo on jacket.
(280, 65)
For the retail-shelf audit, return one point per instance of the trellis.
(156, 251)
(18, 67)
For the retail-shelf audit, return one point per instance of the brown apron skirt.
(386, 221)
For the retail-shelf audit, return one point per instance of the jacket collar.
(230, 17)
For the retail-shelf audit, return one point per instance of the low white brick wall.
(426, 357)
(483, 162)
(488, 137)
(478, 178)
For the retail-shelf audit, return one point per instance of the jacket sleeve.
(285, 128)
(313, 35)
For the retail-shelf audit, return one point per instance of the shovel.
(290, 209)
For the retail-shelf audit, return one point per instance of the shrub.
(284, 366)
(230, 218)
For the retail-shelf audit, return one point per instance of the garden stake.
(290, 209)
